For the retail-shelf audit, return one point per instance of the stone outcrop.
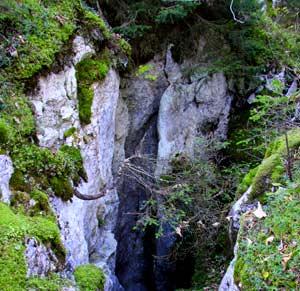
(40, 260)
(6, 170)
(241, 206)
(190, 110)
(158, 114)
(86, 226)
(161, 113)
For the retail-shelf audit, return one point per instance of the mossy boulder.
(246, 183)
(89, 278)
(272, 169)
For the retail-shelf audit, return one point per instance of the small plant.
(143, 70)
(69, 132)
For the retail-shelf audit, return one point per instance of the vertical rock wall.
(166, 114)
(56, 110)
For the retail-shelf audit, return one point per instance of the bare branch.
(233, 14)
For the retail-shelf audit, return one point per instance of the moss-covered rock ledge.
(272, 169)
(268, 251)
(15, 227)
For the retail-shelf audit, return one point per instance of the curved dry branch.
(88, 197)
(135, 172)
(233, 14)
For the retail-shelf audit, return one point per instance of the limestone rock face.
(55, 100)
(40, 260)
(86, 226)
(188, 111)
(6, 170)
(142, 97)
(241, 206)
(160, 113)
(227, 283)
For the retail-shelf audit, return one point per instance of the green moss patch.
(279, 145)
(269, 248)
(13, 229)
(272, 168)
(89, 278)
(42, 28)
(69, 132)
(35, 166)
(62, 188)
(51, 283)
(270, 171)
(246, 183)
(93, 21)
(4, 132)
(88, 71)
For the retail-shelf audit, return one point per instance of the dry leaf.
(201, 224)
(178, 231)
(216, 224)
(250, 242)
(281, 247)
(270, 239)
(259, 212)
(285, 259)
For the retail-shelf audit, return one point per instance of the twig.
(233, 14)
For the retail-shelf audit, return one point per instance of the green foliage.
(42, 32)
(132, 30)
(87, 72)
(43, 167)
(13, 229)
(176, 12)
(275, 110)
(143, 70)
(51, 283)
(89, 278)
(274, 265)
(93, 21)
(4, 132)
(69, 132)
(74, 163)
(15, 112)
(246, 182)
(62, 188)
